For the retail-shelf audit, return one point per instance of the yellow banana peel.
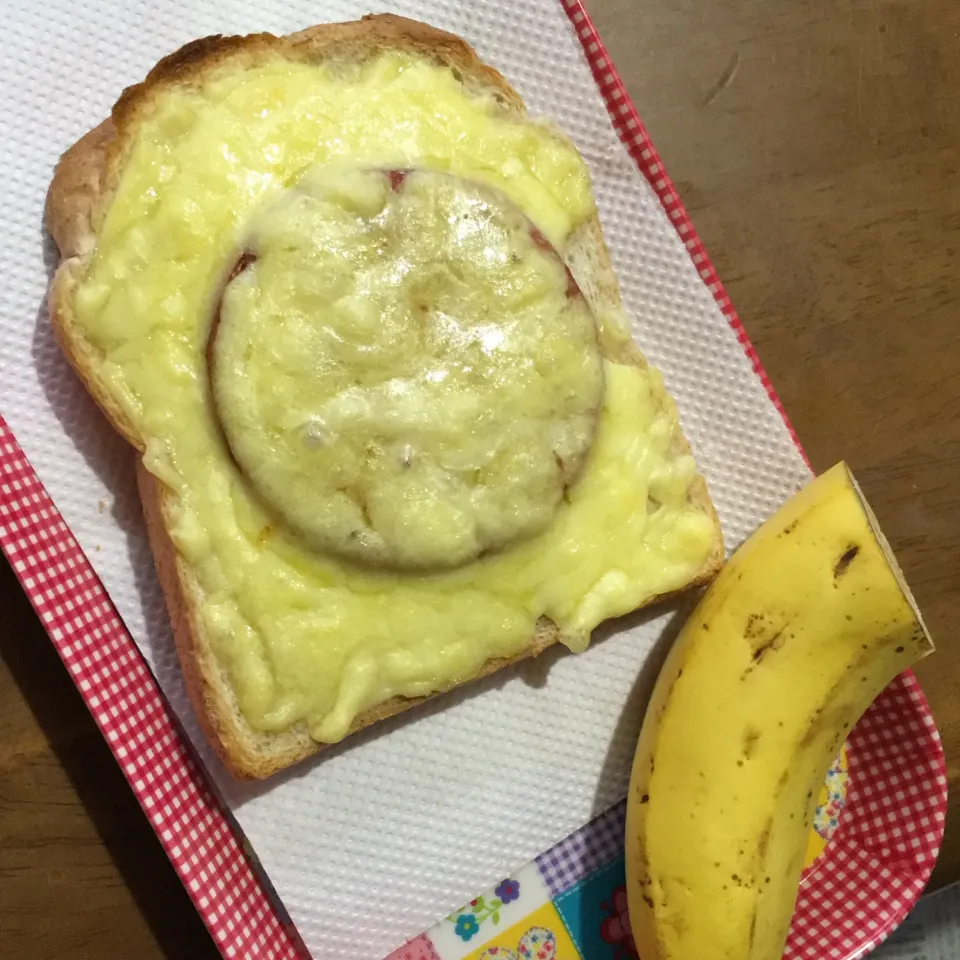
(804, 627)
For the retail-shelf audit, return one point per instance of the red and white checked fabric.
(878, 862)
(886, 845)
(133, 716)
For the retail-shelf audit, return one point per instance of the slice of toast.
(85, 182)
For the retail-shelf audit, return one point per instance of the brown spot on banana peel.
(825, 718)
(768, 646)
(836, 716)
(764, 842)
(843, 564)
(751, 737)
(765, 635)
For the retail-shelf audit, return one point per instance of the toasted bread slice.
(84, 184)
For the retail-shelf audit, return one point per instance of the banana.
(803, 628)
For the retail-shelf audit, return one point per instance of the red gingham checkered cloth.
(880, 859)
(133, 716)
(878, 862)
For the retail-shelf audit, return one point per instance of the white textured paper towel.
(392, 830)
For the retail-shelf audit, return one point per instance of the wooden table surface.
(817, 147)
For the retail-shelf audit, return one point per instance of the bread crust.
(82, 189)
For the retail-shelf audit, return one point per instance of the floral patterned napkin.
(571, 902)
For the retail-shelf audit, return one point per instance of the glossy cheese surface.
(403, 368)
(304, 634)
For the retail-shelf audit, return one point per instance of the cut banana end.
(807, 623)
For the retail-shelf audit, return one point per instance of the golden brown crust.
(77, 190)
(83, 186)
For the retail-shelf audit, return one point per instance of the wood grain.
(82, 874)
(817, 147)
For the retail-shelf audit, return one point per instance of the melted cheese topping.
(402, 368)
(305, 636)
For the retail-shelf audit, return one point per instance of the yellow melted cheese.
(404, 372)
(303, 636)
